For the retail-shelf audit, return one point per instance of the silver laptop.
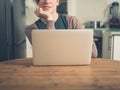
(62, 47)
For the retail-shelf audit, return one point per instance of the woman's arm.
(74, 23)
(28, 31)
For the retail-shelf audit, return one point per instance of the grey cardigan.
(73, 23)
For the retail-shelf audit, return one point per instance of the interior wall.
(90, 10)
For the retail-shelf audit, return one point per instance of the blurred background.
(103, 16)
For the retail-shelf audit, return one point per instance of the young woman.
(50, 19)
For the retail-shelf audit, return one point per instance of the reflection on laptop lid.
(62, 47)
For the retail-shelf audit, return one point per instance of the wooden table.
(22, 75)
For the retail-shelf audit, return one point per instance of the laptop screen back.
(62, 47)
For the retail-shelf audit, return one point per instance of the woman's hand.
(43, 14)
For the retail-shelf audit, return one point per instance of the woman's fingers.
(43, 14)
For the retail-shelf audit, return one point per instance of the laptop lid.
(62, 47)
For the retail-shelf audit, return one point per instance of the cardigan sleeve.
(28, 31)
